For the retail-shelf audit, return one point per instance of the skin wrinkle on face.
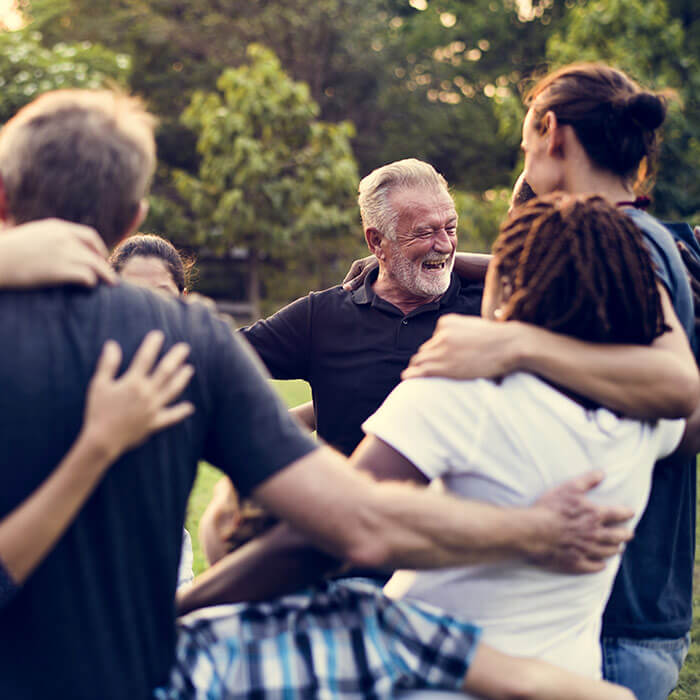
(426, 232)
(151, 272)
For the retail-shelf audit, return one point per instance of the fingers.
(615, 515)
(175, 385)
(607, 536)
(145, 356)
(169, 364)
(172, 415)
(586, 481)
(89, 237)
(353, 272)
(109, 361)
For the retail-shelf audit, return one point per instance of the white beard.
(418, 280)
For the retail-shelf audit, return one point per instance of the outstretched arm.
(656, 381)
(389, 525)
(120, 414)
(51, 252)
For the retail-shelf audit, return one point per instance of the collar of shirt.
(366, 295)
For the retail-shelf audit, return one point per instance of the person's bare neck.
(585, 179)
(388, 289)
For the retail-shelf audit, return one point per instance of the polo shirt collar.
(365, 294)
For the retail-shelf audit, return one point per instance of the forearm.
(411, 527)
(638, 381)
(305, 414)
(29, 532)
(493, 674)
(278, 562)
(471, 266)
(392, 525)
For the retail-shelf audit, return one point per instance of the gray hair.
(82, 155)
(375, 189)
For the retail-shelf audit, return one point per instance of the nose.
(442, 242)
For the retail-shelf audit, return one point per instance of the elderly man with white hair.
(352, 346)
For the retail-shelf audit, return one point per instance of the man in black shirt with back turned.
(96, 618)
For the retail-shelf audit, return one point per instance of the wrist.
(535, 527)
(518, 346)
(96, 449)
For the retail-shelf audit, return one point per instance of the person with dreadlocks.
(591, 129)
(483, 440)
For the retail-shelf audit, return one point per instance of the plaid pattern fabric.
(345, 640)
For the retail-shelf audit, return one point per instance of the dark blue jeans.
(648, 667)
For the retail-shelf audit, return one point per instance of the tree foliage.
(642, 38)
(434, 79)
(27, 68)
(272, 177)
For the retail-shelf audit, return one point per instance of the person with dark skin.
(99, 630)
(410, 433)
(588, 129)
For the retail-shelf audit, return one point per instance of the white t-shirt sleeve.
(669, 434)
(431, 422)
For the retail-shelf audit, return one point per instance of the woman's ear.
(555, 131)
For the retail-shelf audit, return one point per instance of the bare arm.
(396, 525)
(305, 414)
(660, 380)
(52, 252)
(498, 676)
(472, 266)
(120, 414)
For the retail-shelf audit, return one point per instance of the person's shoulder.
(651, 227)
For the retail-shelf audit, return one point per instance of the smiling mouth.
(434, 264)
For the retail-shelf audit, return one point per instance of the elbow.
(369, 546)
(370, 553)
(686, 396)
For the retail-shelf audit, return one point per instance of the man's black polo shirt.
(351, 347)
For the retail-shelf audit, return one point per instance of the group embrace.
(492, 431)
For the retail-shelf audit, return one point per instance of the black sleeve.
(283, 340)
(250, 435)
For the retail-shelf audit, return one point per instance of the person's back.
(97, 617)
(513, 441)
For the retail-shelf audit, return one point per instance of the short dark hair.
(148, 245)
(82, 155)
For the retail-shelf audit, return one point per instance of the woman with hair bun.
(591, 129)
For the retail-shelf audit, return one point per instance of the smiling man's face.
(421, 257)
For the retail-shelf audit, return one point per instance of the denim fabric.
(648, 667)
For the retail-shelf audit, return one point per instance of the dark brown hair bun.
(646, 109)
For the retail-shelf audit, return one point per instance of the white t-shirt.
(506, 443)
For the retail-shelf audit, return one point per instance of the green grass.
(296, 392)
(293, 392)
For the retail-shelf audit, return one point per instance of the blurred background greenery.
(270, 110)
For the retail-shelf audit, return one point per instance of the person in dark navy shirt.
(96, 618)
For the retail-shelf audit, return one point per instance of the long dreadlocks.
(577, 265)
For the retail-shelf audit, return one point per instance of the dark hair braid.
(577, 265)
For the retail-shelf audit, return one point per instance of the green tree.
(642, 38)
(272, 177)
(27, 68)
